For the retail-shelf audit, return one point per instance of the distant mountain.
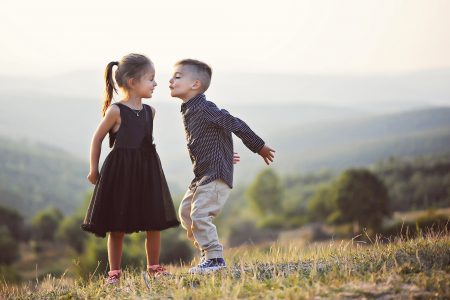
(34, 176)
(313, 121)
(360, 142)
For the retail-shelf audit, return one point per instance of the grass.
(404, 268)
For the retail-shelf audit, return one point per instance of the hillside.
(298, 114)
(356, 269)
(362, 141)
(34, 176)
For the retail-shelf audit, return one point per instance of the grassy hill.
(34, 176)
(404, 269)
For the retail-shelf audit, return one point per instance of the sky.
(45, 38)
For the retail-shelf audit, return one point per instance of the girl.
(131, 192)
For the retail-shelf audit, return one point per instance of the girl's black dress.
(131, 193)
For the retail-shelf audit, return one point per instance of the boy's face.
(182, 84)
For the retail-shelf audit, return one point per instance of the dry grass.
(403, 269)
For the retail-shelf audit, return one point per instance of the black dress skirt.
(131, 193)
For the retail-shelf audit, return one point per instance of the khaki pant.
(197, 211)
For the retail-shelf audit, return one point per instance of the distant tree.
(266, 193)
(176, 247)
(321, 205)
(9, 248)
(45, 223)
(14, 222)
(69, 231)
(361, 198)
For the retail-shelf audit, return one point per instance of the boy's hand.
(267, 154)
(236, 158)
(93, 177)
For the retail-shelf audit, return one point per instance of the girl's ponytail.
(110, 88)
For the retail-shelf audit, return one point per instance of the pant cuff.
(214, 254)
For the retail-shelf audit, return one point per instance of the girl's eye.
(177, 77)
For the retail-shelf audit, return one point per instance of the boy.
(210, 144)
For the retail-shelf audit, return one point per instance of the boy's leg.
(184, 212)
(207, 203)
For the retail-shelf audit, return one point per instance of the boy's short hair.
(201, 70)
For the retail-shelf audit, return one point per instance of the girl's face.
(181, 83)
(146, 84)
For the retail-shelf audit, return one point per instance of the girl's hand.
(236, 158)
(267, 154)
(93, 177)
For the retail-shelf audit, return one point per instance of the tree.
(321, 205)
(266, 193)
(45, 223)
(70, 232)
(9, 249)
(14, 222)
(361, 198)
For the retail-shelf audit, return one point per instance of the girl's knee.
(153, 232)
(117, 235)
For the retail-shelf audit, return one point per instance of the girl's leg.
(115, 241)
(152, 247)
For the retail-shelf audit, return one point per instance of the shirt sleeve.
(222, 118)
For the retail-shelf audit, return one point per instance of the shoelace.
(209, 262)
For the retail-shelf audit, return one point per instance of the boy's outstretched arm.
(267, 154)
(222, 118)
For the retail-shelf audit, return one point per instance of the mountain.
(34, 176)
(313, 121)
(363, 141)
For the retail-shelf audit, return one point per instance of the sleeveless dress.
(131, 193)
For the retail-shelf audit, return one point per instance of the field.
(403, 268)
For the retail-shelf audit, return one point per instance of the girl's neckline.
(132, 108)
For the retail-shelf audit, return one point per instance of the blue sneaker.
(202, 257)
(208, 265)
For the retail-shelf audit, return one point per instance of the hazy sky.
(50, 37)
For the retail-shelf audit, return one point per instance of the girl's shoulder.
(152, 109)
(112, 111)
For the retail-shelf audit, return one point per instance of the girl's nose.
(156, 84)
(171, 80)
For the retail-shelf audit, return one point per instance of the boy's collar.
(193, 102)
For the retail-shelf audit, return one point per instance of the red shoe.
(157, 271)
(113, 277)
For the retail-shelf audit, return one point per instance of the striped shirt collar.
(194, 101)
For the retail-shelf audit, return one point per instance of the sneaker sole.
(206, 270)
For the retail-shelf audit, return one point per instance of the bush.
(9, 274)
(246, 232)
(69, 231)
(14, 222)
(45, 223)
(9, 248)
(428, 221)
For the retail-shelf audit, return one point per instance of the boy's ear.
(196, 85)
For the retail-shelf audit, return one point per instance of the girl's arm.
(112, 117)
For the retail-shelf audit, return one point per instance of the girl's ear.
(130, 82)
